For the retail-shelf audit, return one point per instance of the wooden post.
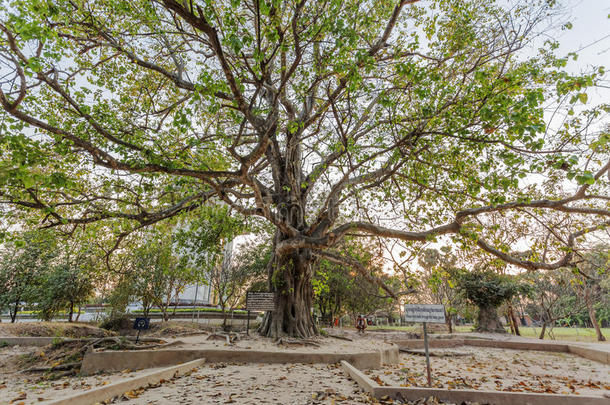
(248, 324)
(427, 355)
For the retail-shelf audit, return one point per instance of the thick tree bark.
(488, 321)
(290, 278)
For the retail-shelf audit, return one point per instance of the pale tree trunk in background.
(542, 331)
(513, 320)
(448, 321)
(598, 331)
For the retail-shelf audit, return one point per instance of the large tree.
(322, 118)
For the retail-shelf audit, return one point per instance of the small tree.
(207, 240)
(66, 286)
(338, 288)
(589, 283)
(159, 275)
(488, 290)
(439, 280)
(552, 298)
(238, 271)
(22, 266)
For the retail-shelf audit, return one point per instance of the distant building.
(201, 294)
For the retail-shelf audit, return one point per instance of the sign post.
(258, 301)
(141, 324)
(425, 314)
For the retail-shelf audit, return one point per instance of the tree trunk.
(448, 321)
(14, 312)
(488, 321)
(513, 320)
(593, 317)
(510, 323)
(290, 278)
(542, 331)
(71, 312)
(224, 316)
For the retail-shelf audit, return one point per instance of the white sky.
(590, 38)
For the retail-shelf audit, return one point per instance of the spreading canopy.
(323, 118)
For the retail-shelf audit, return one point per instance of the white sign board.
(425, 313)
(260, 301)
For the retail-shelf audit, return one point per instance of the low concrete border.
(579, 350)
(134, 360)
(591, 354)
(459, 396)
(112, 390)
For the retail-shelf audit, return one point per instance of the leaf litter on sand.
(502, 370)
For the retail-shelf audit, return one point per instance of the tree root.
(68, 359)
(126, 346)
(300, 342)
(339, 337)
(230, 338)
(434, 354)
(60, 367)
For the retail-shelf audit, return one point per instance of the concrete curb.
(134, 360)
(591, 354)
(582, 351)
(112, 390)
(459, 396)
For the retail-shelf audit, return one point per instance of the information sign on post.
(141, 324)
(258, 301)
(426, 314)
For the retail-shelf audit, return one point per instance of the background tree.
(439, 279)
(339, 289)
(324, 119)
(69, 283)
(153, 272)
(208, 243)
(589, 284)
(23, 263)
(552, 298)
(487, 289)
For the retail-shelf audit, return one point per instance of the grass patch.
(570, 334)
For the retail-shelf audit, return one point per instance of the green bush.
(116, 323)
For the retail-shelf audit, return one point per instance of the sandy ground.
(475, 368)
(20, 388)
(500, 370)
(223, 383)
(323, 344)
